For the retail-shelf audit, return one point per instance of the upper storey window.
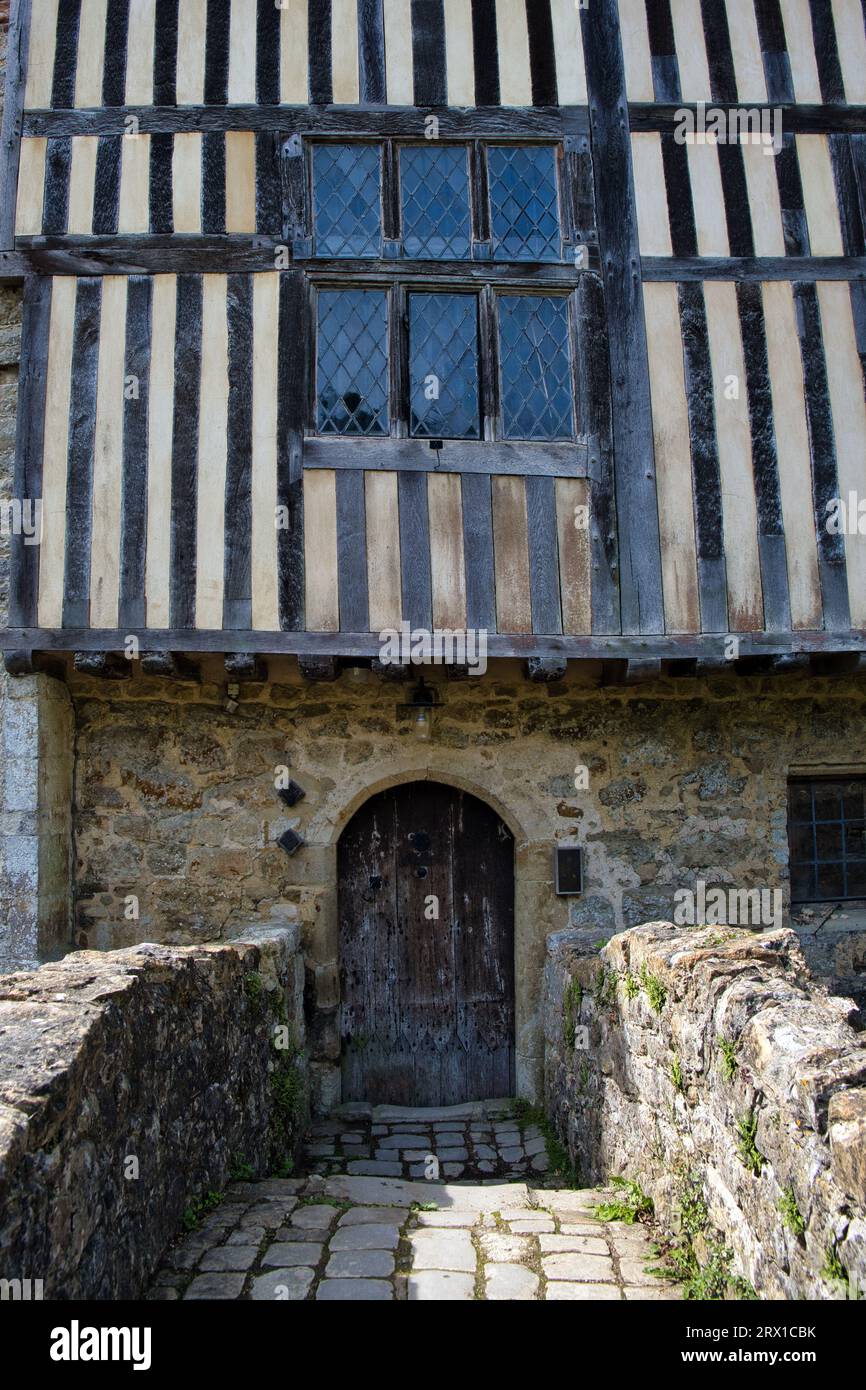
(348, 206)
(436, 201)
(443, 291)
(434, 188)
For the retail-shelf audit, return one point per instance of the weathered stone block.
(847, 1124)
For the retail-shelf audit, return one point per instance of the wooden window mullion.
(482, 247)
(488, 359)
(398, 332)
(391, 235)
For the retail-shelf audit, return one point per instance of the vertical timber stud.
(294, 330)
(642, 606)
(371, 51)
(24, 578)
(18, 43)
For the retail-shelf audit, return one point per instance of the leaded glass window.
(347, 200)
(524, 205)
(443, 366)
(827, 839)
(434, 188)
(535, 366)
(352, 362)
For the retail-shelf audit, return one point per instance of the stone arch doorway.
(425, 877)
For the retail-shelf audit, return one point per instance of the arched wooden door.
(426, 902)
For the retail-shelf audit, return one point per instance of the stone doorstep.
(393, 1191)
(398, 1114)
(357, 1216)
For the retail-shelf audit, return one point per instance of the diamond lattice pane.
(352, 362)
(535, 367)
(348, 200)
(523, 203)
(443, 365)
(434, 184)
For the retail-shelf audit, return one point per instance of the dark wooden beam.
(809, 268)
(797, 663)
(713, 665)
(18, 663)
(838, 664)
(456, 456)
(17, 45)
(389, 671)
(634, 671)
(459, 123)
(331, 645)
(29, 444)
(642, 605)
(154, 253)
(795, 119)
(645, 669)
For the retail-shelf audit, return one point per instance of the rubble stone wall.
(176, 804)
(710, 1062)
(132, 1084)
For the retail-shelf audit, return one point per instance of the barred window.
(827, 839)
(364, 336)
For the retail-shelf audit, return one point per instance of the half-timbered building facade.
(524, 336)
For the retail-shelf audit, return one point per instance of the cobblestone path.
(381, 1236)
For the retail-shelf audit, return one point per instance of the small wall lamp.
(422, 704)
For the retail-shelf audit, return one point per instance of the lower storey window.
(438, 364)
(827, 838)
